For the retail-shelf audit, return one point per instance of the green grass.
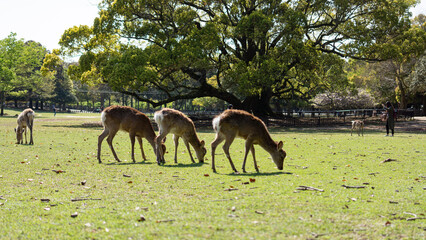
(188, 201)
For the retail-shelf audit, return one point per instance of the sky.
(45, 21)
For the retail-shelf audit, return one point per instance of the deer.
(175, 122)
(25, 119)
(136, 123)
(358, 125)
(234, 123)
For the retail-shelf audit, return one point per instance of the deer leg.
(159, 150)
(189, 149)
(109, 140)
(225, 147)
(25, 131)
(101, 137)
(214, 144)
(254, 158)
(141, 146)
(132, 136)
(176, 140)
(31, 134)
(249, 145)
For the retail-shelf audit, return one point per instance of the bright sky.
(45, 21)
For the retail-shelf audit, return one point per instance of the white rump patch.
(103, 118)
(216, 122)
(158, 117)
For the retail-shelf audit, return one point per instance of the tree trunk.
(403, 97)
(259, 105)
(424, 105)
(2, 101)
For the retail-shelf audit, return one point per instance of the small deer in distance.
(237, 123)
(136, 123)
(358, 125)
(174, 121)
(25, 119)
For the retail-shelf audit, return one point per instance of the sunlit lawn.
(57, 190)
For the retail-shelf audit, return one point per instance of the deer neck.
(268, 144)
(193, 140)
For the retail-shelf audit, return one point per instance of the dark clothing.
(390, 121)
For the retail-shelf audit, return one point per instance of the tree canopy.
(242, 52)
(20, 75)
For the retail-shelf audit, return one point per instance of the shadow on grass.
(253, 174)
(73, 126)
(184, 165)
(129, 163)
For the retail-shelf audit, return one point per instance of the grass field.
(56, 189)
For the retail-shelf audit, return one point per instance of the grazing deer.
(359, 126)
(236, 123)
(173, 121)
(25, 119)
(137, 124)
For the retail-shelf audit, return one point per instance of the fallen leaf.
(47, 209)
(233, 208)
(141, 218)
(259, 212)
(74, 215)
(389, 160)
(130, 182)
(252, 180)
(387, 224)
(45, 200)
(124, 175)
(167, 220)
(206, 175)
(83, 182)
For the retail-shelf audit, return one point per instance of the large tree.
(254, 50)
(10, 52)
(30, 84)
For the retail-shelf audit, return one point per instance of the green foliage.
(20, 75)
(44, 184)
(259, 49)
(10, 50)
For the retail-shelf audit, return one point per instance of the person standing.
(390, 120)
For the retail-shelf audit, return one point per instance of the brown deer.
(237, 123)
(25, 119)
(136, 123)
(358, 125)
(174, 121)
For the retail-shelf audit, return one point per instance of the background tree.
(10, 52)
(257, 49)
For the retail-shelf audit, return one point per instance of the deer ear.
(280, 145)
(202, 143)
